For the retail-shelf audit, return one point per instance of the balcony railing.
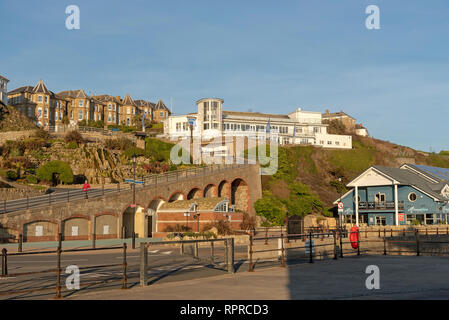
(388, 205)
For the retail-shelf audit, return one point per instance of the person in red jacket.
(86, 187)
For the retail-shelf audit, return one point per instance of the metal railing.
(58, 287)
(143, 183)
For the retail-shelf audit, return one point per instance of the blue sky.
(261, 55)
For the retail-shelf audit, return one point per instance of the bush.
(14, 148)
(71, 145)
(158, 150)
(134, 151)
(177, 228)
(223, 227)
(12, 175)
(118, 144)
(248, 222)
(74, 136)
(42, 134)
(271, 208)
(55, 171)
(31, 179)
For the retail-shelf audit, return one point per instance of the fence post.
(282, 250)
(251, 267)
(68, 195)
(385, 246)
(4, 262)
(195, 249)
(20, 242)
(417, 243)
(59, 240)
(366, 233)
(310, 248)
(335, 244)
(134, 240)
(379, 233)
(341, 245)
(28, 202)
(143, 264)
(230, 245)
(266, 236)
(58, 273)
(4, 206)
(182, 248)
(124, 267)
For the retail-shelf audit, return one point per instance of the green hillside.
(307, 177)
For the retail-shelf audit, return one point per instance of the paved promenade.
(405, 277)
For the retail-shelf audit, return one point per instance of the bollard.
(195, 250)
(230, 245)
(335, 244)
(143, 264)
(417, 243)
(4, 262)
(212, 255)
(310, 248)
(124, 267)
(58, 273)
(134, 240)
(20, 242)
(251, 267)
(282, 251)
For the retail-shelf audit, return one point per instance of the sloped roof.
(160, 105)
(203, 204)
(128, 101)
(41, 88)
(22, 89)
(436, 173)
(337, 114)
(407, 177)
(1, 77)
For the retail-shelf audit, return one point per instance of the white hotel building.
(298, 127)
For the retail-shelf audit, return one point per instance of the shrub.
(55, 171)
(271, 208)
(12, 175)
(34, 143)
(223, 227)
(248, 222)
(14, 148)
(71, 145)
(177, 228)
(31, 179)
(158, 150)
(118, 144)
(134, 151)
(42, 134)
(74, 136)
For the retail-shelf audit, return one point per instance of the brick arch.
(210, 191)
(224, 189)
(180, 194)
(46, 236)
(106, 214)
(155, 199)
(83, 234)
(101, 221)
(129, 219)
(240, 194)
(194, 195)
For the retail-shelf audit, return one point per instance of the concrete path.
(401, 277)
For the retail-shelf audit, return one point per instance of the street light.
(134, 191)
(197, 217)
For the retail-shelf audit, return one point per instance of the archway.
(223, 189)
(153, 207)
(40, 230)
(195, 193)
(75, 228)
(210, 191)
(240, 195)
(176, 196)
(133, 221)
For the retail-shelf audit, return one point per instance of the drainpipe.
(396, 205)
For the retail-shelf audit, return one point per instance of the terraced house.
(410, 194)
(49, 109)
(43, 106)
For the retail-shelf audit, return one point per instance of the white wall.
(337, 141)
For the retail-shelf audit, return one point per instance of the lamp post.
(197, 217)
(134, 190)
